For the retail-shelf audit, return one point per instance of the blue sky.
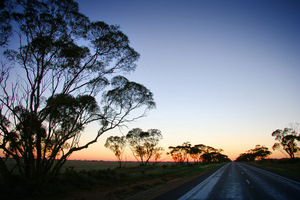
(223, 73)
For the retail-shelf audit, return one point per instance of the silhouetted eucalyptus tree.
(258, 153)
(144, 144)
(180, 153)
(157, 154)
(51, 83)
(288, 139)
(117, 145)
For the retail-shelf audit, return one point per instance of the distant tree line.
(143, 145)
(198, 153)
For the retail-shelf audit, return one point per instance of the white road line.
(248, 181)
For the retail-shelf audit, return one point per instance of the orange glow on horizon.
(107, 155)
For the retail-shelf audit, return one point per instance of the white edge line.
(287, 179)
(197, 187)
(248, 181)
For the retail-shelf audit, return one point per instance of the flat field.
(95, 165)
(130, 181)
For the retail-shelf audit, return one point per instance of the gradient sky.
(223, 73)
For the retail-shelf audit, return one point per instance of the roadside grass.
(285, 167)
(168, 169)
(119, 183)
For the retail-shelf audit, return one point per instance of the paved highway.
(241, 181)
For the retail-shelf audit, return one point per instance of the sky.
(223, 73)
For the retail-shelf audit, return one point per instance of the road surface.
(241, 181)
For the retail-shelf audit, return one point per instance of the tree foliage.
(5, 18)
(143, 144)
(288, 141)
(210, 154)
(199, 153)
(258, 153)
(180, 153)
(50, 85)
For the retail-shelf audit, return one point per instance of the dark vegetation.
(117, 183)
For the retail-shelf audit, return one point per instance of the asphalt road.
(236, 181)
(241, 181)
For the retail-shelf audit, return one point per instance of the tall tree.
(65, 74)
(143, 144)
(117, 145)
(288, 141)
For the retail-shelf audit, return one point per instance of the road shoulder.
(174, 189)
